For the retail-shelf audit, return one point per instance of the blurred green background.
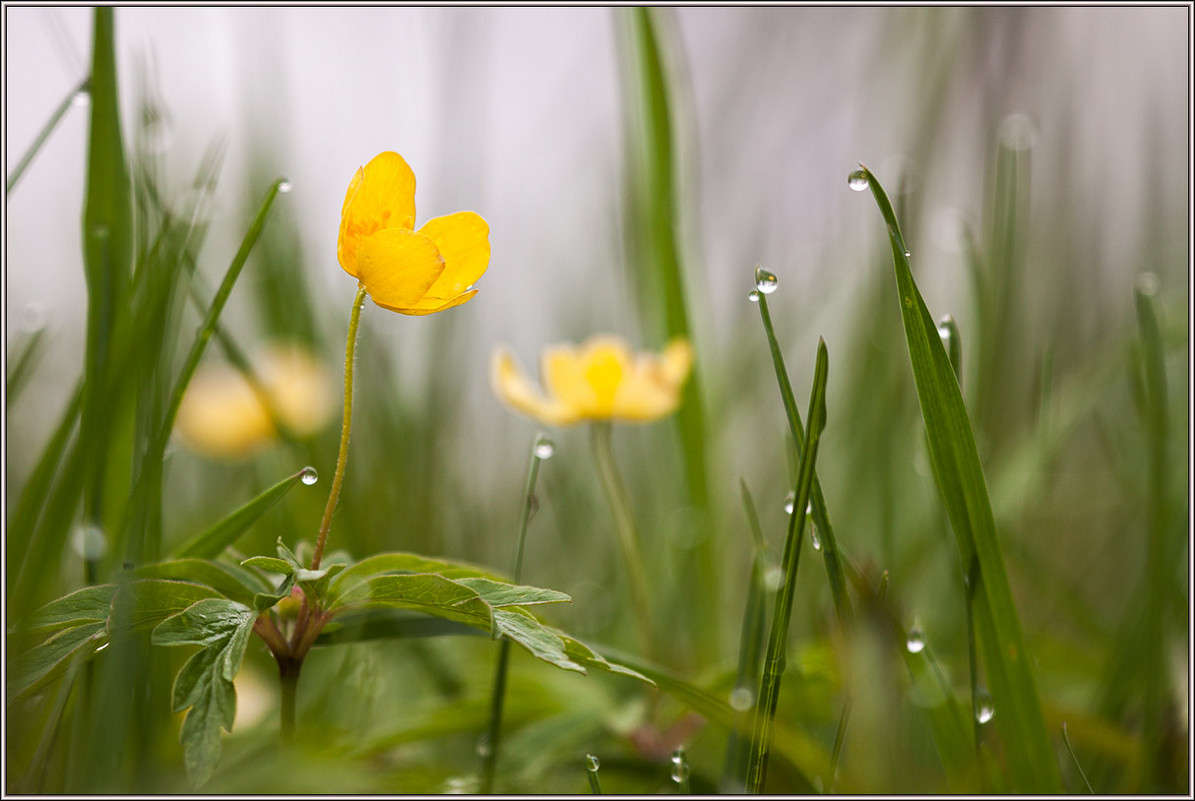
(1039, 161)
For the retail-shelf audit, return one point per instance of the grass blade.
(956, 466)
(774, 662)
(44, 134)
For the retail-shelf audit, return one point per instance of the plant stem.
(288, 679)
(349, 352)
(628, 534)
(498, 696)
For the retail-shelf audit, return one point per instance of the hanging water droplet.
(814, 538)
(985, 710)
(592, 763)
(773, 579)
(1148, 283)
(284, 186)
(81, 98)
(741, 699)
(789, 501)
(483, 746)
(916, 641)
(765, 281)
(680, 766)
(545, 449)
(944, 332)
(89, 542)
(753, 296)
(309, 476)
(857, 180)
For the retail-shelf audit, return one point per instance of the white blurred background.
(518, 113)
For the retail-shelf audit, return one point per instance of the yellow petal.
(563, 373)
(300, 389)
(380, 196)
(221, 416)
(398, 267)
(464, 244)
(652, 390)
(514, 389)
(430, 305)
(677, 360)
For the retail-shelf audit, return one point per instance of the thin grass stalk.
(44, 134)
(493, 735)
(774, 661)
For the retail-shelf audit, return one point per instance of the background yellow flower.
(599, 380)
(222, 416)
(407, 271)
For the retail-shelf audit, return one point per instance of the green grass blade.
(210, 542)
(774, 661)
(1031, 762)
(659, 271)
(21, 368)
(44, 134)
(821, 517)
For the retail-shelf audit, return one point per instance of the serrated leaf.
(500, 593)
(531, 634)
(204, 683)
(86, 605)
(401, 562)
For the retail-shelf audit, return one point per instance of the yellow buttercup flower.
(407, 271)
(599, 380)
(222, 416)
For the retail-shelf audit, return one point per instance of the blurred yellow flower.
(599, 380)
(407, 271)
(222, 416)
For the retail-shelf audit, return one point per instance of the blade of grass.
(821, 517)
(20, 369)
(44, 134)
(774, 661)
(659, 278)
(960, 479)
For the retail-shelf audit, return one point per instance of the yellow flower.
(223, 417)
(407, 271)
(599, 380)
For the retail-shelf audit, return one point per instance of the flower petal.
(430, 305)
(221, 416)
(380, 196)
(397, 267)
(514, 389)
(464, 244)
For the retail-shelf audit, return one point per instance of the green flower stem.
(349, 351)
(288, 678)
(628, 534)
(498, 697)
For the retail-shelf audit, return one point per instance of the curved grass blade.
(774, 661)
(210, 542)
(1031, 762)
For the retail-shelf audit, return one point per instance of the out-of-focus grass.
(1077, 419)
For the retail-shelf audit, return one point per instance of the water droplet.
(102, 647)
(1148, 283)
(985, 710)
(814, 538)
(592, 763)
(908, 253)
(773, 579)
(81, 98)
(741, 699)
(809, 508)
(753, 296)
(284, 186)
(483, 746)
(765, 281)
(916, 641)
(680, 766)
(461, 785)
(944, 332)
(789, 501)
(89, 542)
(309, 476)
(1017, 132)
(545, 449)
(33, 318)
(857, 180)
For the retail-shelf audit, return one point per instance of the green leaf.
(204, 683)
(402, 562)
(36, 667)
(87, 605)
(960, 479)
(270, 563)
(529, 633)
(213, 540)
(499, 593)
(228, 580)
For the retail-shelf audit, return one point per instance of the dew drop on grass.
(765, 281)
(309, 476)
(592, 763)
(774, 578)
(460, 785)
(483, 746)
(284, 186)
(33, 318)
(545, 449)
(81, 98)
(753, 296)
(89, 542)
(814, 537)
(789, 500)
(985, 710)
(1148, 284)
(916, 641)
(741, 699)
(680, 766)
(857, 180)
